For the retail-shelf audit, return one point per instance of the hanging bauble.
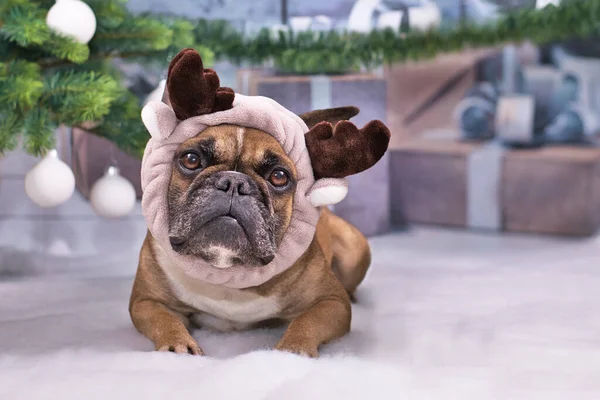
(476, 112)
(567, 128)
(72, 18)
(50, 182)
(112, 196)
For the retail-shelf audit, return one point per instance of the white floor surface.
(441, 315)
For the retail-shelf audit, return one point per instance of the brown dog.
(230, 202)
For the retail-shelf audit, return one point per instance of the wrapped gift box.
(247, 79)
(551, 190)
(92, 155)
(423, 95)
(412, 85)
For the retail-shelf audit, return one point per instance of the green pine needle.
(66, 48)
(19, 68)
(24, 26)
(20, 85)
(139, 34)
(123, 125)
(77, 97)
(109, 13)
(11, 125)
(20, 92)
(39, 132)
(309, 53)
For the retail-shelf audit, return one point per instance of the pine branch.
(20, 85)
(135, 34)
(25, 25)
(10, 124)
(76, 97)
(123, 125)
(6, 5)
(39, 132)
(54, 63)
(71, 98)
(341, 52)
(47, 79)
(141, 40)
(222, 38)
(109, 13)
(67, 49)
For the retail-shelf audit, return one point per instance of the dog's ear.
(159, 119)
(331, 115)
(344, 150)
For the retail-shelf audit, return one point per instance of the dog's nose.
(235, 182)
(176, 242)
(267, 259)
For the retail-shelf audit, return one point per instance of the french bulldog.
(230, 203)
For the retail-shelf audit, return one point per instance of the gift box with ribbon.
(246, 79)
(92, 155)
(485, 185)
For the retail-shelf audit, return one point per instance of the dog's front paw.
(180, 345)
(297, 347)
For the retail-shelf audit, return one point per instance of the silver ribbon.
(245, 89)
(484, 181)
(320, 92)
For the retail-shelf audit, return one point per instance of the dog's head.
(230, 196)
(234, 189)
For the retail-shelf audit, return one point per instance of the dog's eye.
(279, 178)
(190, 161)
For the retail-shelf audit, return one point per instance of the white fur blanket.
(441, 316)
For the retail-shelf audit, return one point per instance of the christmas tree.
(52, 74)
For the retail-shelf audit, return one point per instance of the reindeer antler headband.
(194, 90)
(323, 156)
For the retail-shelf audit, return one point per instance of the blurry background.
(484, 136)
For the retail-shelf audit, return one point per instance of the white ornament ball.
(112, 196)
(72, 18)
(50, 182)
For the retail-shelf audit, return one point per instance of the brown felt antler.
(345, 150)
(331, 115)
(193, 90)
